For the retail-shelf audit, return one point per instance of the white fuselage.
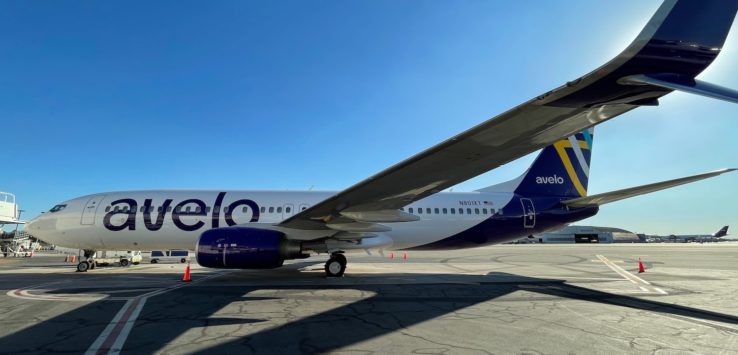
(107, 221)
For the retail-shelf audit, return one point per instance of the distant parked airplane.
(690, 237)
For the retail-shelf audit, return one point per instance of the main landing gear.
(336, 265)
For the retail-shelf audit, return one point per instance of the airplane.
(714, 237)
(405, 207)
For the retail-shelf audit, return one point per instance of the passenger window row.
(452, 210)
(196, 209)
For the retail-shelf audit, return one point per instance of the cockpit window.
(57, 208)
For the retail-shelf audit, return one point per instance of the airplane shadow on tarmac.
(392, 307)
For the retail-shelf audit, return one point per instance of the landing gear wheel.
(335, 266)
(124, 263)
(83, 266)
(341, 258)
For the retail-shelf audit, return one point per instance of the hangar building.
(588, 234)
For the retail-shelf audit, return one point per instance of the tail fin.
(721, 233)
(561, 169)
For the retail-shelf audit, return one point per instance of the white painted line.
(112, 338)
(642, 284)
(96, 346)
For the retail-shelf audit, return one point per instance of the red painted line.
(113, 336)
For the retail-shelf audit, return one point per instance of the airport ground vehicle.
(111, 257)
(169, 256)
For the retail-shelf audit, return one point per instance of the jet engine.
(245, 248)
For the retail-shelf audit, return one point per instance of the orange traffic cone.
(404, 255)
(640, 266)
(392, 255)
(74, 257)
(66, 260)
(186, 277)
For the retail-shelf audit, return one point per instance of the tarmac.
(509, 299)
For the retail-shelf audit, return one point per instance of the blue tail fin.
(561, 169)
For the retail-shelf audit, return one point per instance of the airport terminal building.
(587, 234)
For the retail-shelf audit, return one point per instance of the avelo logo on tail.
(549, 180)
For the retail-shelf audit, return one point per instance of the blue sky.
(99, 96)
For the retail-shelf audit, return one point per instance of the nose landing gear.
(336, 265)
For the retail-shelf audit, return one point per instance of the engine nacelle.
(245, 248)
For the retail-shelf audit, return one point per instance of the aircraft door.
(88, 213)
(288, 210)
(529, 213)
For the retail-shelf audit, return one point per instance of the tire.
(335, 267)
(124, 262)
(341, 258)
(136, 263)
(154, 261)
(83, 266)
(183, 260)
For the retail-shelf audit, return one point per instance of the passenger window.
(461, 211)
(279, 209)
(271, 209)
(445, 211)
(453, 211)
(198, 209)
(303, 208)
(188, 209)
(484, 211)
(225, 209)
(107, 209)
(158, 209)
(169, 208)
(410, 210)
(207, 209)
(263, 209)
(244, 209)
(288, 209)
(468, 211)
(142, 208)
(437, 212)
(420, 210)
(476, 211)
(125, 208)
(428, 210)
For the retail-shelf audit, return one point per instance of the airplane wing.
(601, 199)
(681, 39)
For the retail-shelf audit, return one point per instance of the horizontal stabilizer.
(682, 83)
(601, 199)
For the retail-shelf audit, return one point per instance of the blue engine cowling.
(245, 248)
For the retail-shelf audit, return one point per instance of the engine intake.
(245, 248)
